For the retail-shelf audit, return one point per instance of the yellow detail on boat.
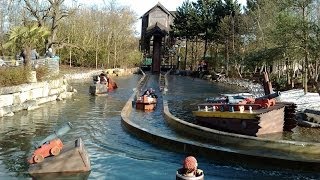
(226, 114)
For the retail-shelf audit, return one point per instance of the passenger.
(49, 53)
(146, 92)
(103, 78)
(152, 93)
(111, 84)
(190, 167)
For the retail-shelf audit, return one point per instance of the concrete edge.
(188, 147)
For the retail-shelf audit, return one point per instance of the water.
(115, 153)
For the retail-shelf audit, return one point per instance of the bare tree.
(48, 13)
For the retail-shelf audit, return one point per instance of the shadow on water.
(114, 153)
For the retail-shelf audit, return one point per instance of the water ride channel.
(126, 143)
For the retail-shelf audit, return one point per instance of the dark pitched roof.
(157, 5)
(157, 28)
(173, 13)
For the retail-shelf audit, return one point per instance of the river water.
(115, 153)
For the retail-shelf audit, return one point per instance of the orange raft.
(146, 103)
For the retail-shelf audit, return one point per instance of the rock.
(9, 114)
(311, 116)
(308, 124)
(29, 103)
(32, 107)
(32, 77)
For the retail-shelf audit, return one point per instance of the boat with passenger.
(147, 101)
(102, 84)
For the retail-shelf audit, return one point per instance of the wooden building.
(155, 34)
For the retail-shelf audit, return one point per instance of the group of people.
(202, 66)
(34, 54)
(150, 92)
(104, 79)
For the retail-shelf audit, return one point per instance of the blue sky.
(142, 6)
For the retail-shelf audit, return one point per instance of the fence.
(51, 63)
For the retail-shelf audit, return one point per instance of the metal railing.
(51, 63)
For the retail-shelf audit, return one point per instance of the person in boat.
(111, 83)
(190, 167)
(146, 92)
(103, 78)
(152, 93)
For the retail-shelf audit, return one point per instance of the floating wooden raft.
(258, 122)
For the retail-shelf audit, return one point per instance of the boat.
(179, 176)
(244, 114)
(102, 87)
(235, 98)
(248, 117)
(147, 102)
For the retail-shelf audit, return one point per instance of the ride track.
(221, 146)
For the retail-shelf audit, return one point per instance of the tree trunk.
(227, 56)
(192, 55)
(205, 46)
(27, 57)
(185, 55)
(305, 83)
(115, 54)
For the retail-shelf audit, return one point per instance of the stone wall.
(30, 96)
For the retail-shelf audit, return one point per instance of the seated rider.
(103, 78)
(152, 93)
(190, 167)
(146, 92)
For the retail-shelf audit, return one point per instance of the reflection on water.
(114, 153)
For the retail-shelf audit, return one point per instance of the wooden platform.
(73, 158)
(260, 121)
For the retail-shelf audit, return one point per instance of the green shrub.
(42, 73)
(13, 76)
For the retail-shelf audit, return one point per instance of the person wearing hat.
(190, 167)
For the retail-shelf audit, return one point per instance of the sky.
(142, 6)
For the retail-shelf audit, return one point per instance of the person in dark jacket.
(49, 53)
